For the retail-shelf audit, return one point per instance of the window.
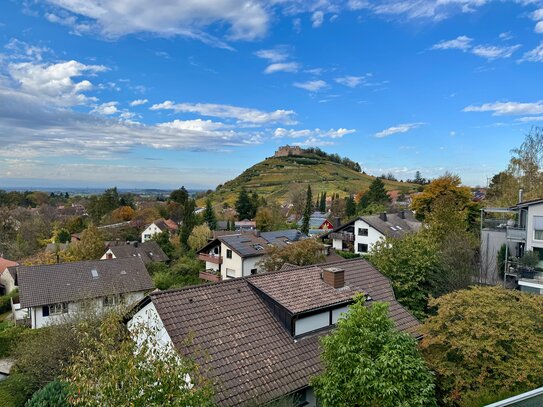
(362, 248)
(228, 253)
(253, 271)
(57, 309)
(362, 232)
(538, 227)
(230, 273)
(110, 301)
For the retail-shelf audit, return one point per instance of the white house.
(8, 277)
(237, 255)
(157, 227)
(360, 234)
(147, 251)
(258, 337)
(53, 293)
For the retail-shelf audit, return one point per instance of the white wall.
(533, 210)
(337, 244)
(373, 236)
(7, 281)
(312, 323)
(76, 308)
(250, 263)
(148, 317)
(151, 230)
(235, 263)
(109, 251)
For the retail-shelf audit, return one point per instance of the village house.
(360, 234)
(149, 251)
(318, 224)
(157, 227)
(7, 280)
(238, 255)
(520, 229)
(258, 337)
(52, 293)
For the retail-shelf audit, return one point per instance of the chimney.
(135, 244)
(257, 232)
(402, 214)
(383, 216)
(520, 195)
(334, 276)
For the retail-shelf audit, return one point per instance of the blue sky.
(192, 92)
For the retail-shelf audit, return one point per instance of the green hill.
(275, 177)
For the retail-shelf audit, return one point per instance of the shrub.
(53, 394)
(15, 390)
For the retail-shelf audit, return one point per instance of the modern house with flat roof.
(258, 337)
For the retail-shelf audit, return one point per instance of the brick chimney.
(383, 216)
(334, 276)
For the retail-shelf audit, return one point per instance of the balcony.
(516, 234)
(210, 258)
(343, 236)
(210, 275)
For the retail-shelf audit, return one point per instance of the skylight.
(258, 247)
(94, 273)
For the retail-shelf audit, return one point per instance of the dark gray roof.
(53, 283)
(250, 244)
(149, 251)
(244, 348)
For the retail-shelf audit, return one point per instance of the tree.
(307, 211)
(180, 196)
(367, 362)
(62, 236)
(409, 262)
(297, 199)
(301, 253)
(209, 215)
(53, 394)
(90, 247)
(377, 193)
(123, 214)
(350, 206)
(163, 240)
(121, 368)
(450, 185)
(244, 206)
(189, 221)
(322, 202)
(264, 219)
(484, 340)
(200, 236)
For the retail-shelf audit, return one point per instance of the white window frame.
(361, 233)
(58, 309)
(229, 272)
(536, 230)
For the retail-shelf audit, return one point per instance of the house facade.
(149, 251)
(238, 255)
(157, 227)
(520, 229)
(51, 294)
(360, 234)
(8, 278)
(269, 346)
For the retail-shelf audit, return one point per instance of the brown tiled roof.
(149, 251)
(54, 283)
(5, 263)
(243, 346)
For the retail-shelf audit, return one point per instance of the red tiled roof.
(5, 263)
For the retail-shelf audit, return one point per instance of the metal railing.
(345, 236)
(210, 258)
(515, 233)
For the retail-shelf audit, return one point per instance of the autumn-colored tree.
(90, 247)
(301, 253)
(123, 214)
(484, 340)
(446, 185)
(264, 219)
(367, 362)
(200, 236)
(119, 368)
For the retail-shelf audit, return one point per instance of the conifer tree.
(209, 215)
(307, 211)
(244, 206)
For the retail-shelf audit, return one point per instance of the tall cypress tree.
(244, 206)
(350, 206)
(322, 204)
(209, 215)
(189, 221)
(307, 211)
(377, 193)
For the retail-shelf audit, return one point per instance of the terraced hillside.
(275, 177)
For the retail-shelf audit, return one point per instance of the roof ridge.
(78, 262)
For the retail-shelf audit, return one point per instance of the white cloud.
(530, 119)
(400, 128)
(462, 43)
(311, 86)
(139, 102)
(291, 133)
(313, 142)
(241, 114)
(505, 36)
(277, 54)
(436, 10)
(197, 125)
(351, 81)
(282, 67)
(508, 108)
(247, 20)
(55, 81)
(494, 52)
(534, 55)
(21, 50)
(539, 27)
(106, 109)
(317, 19)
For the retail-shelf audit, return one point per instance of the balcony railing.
(210, 275)
(344, 236)
(210, 258)
(518, 234)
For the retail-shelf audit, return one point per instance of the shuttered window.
(538, 227)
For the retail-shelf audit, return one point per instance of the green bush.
(15, 390)
(53, 394)
(10, 336)
(347, 255)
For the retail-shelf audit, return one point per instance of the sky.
(141, 94)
